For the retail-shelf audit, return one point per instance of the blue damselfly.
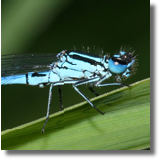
(67, 67)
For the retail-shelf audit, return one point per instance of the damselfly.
(67, 67)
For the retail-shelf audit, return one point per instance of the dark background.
(51, 26)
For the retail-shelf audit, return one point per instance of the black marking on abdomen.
(38, 75)
(27, 78)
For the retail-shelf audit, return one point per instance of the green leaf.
(125, 126)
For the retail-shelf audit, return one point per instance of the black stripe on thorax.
(75, 55)
(84, 59)
(83, 53)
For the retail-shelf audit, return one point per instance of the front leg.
(98, 83)
(112, 84)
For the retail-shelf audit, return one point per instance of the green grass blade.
(125, 126)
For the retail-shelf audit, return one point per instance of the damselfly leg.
(93, 91)
(48, 108)
(83, 82)
(113, 84)
(60, 98)
(87, 99)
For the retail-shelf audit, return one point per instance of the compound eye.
(117, 65)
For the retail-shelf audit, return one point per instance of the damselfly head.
(122, 63)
